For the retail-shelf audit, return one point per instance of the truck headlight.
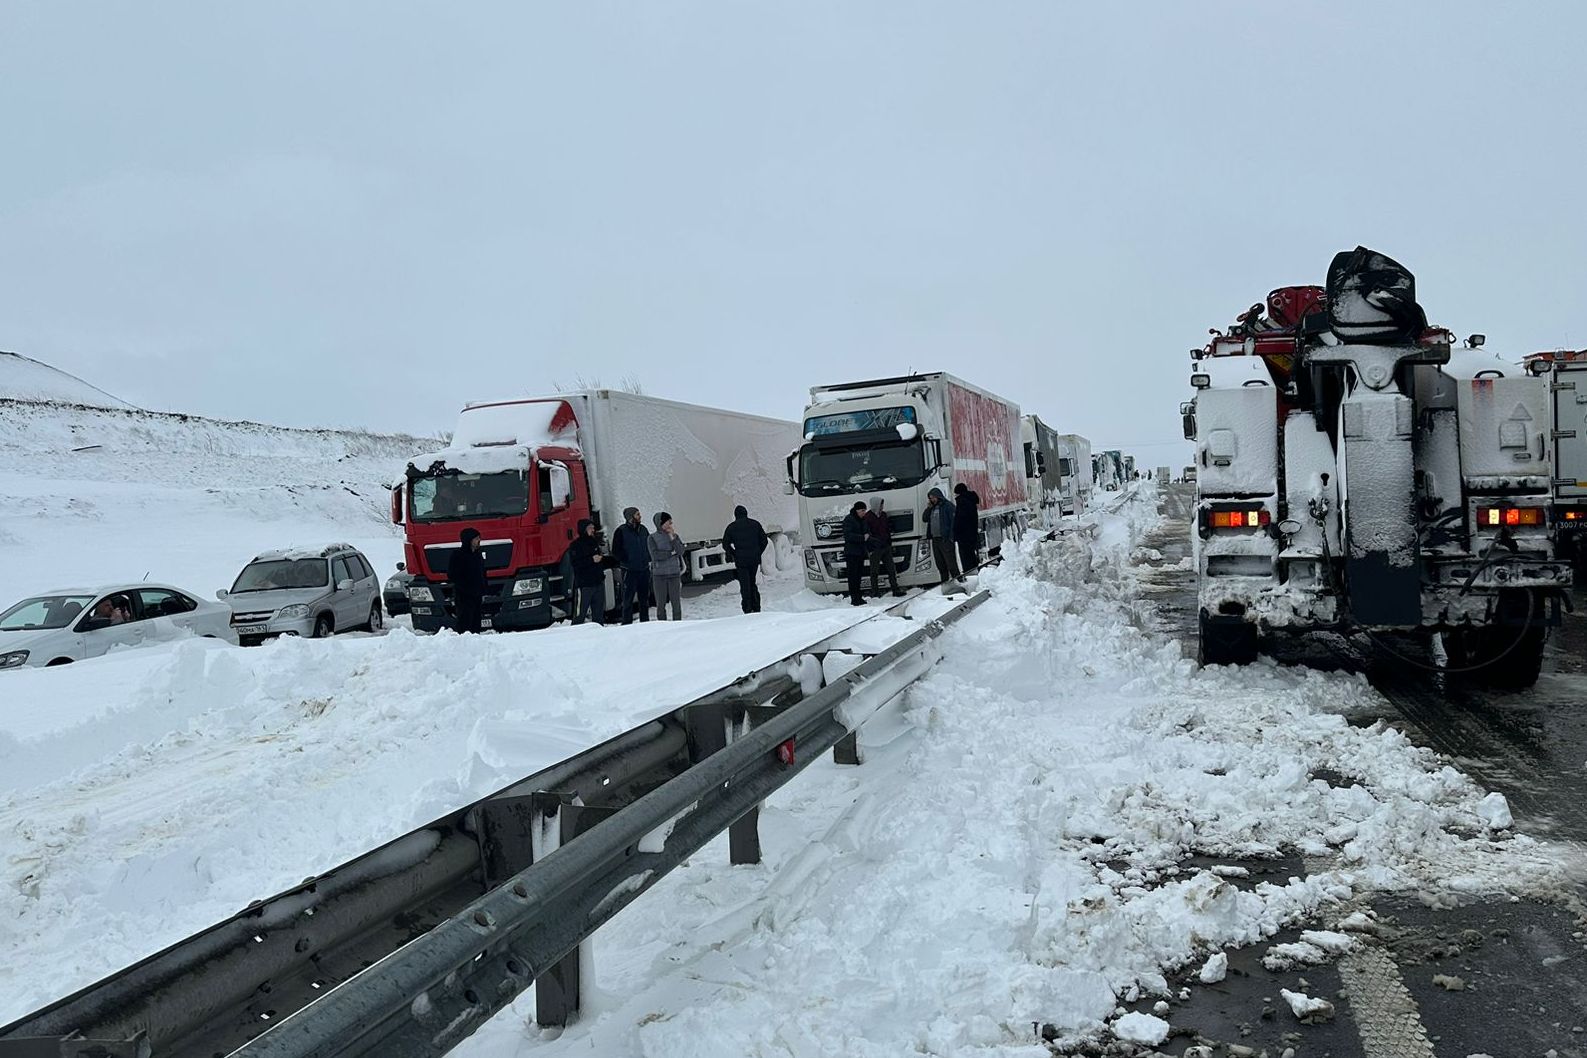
(297, 609)
(812, 563)
(14, 660)
(528, 585)
(419, 593)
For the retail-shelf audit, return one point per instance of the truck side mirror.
(787, 488)
(402, 567)
(396, 505)
(223, 595)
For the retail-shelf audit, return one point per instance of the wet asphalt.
(1522, 964)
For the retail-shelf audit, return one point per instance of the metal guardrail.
(397, 953)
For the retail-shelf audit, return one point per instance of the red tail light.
(1574, 514)
(1508, 517)
(1245, 518)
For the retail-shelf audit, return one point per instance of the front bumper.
(433, 609)
(826, 570)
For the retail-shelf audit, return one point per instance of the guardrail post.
(847, 751)
(711, 727)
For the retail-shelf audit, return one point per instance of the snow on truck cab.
(524, 473)
(1355, 473)
(896, 439)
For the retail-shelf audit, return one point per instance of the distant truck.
(898, 438)
(1566, 372)
(1164, 476)
(1044, 479)
(524, 472)
(1078, 474)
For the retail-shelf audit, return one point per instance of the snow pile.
(89, 496)
(23, 378)
(201, 777)
(1022, 859)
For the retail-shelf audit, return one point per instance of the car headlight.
(419, 593)
(297, 609)
(528, 586)
(14, 660)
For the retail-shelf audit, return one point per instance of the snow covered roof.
(23, 378)
(301, 551)
(1467, 363)
(505, 435)
(105, 589)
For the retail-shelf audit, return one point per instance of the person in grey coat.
(667, 563)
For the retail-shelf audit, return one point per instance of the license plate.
(484, 622)
(251, 630)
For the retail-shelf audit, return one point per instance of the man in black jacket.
(744, 542)
(854, 550)
(589, 576)
(967, 526)
(467, 574)
(631, 549)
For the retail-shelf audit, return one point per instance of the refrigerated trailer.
(894, 440)
(525, 472)
(1566, 373)
(1044, 480)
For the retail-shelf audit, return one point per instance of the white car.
(72, 624)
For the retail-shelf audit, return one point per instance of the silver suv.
(315, 591)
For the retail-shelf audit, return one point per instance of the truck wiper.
(829, 483)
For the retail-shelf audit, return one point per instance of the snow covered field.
(1019, 855)
(91, 495)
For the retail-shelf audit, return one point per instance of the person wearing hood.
(631, 552)
(588, 564)
(880, 545)
(467, 574)
(668, 560)
(744, 542)
(938, 519)
(967, 526)
(854, 550)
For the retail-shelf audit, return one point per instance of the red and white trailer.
(895, 439)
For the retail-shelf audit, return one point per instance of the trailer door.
(1570, 431)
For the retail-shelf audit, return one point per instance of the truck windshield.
(437, 498)
(830, 471)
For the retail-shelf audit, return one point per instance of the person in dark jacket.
(881, 547)
(854, 550)
(938, 519)
(631, 551)
(967, 526)
(744, 542)
(467, 574)
(589, 575)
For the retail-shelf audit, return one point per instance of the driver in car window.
(111, 610)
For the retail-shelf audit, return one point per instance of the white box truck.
(1044, 479)
(523, 473)
(1078, 473)
(894, 440)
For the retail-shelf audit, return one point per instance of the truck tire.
(1498, 656)
(1225, 642)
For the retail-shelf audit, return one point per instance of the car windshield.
(437, 498)
(43, 611)
(831, 471)
(273, 574)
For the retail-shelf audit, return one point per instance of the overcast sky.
(366, 214)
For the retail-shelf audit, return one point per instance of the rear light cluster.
(1249, 518)
(1496, 517)
(1573, 514)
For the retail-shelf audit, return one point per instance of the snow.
(1215, 969)
(23, 378)
(1136, 1027)
(1305, 1007)
(524, 423)
(1494, 810)
(99, 496)
(1017, 855)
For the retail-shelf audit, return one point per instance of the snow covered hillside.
(23, 378)
(1053, 838)
(90, 495)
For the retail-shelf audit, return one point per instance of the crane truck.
(1356, 473)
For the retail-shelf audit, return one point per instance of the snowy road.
(1071, 820)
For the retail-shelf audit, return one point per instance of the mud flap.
(1383, 570)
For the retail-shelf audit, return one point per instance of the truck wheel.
(1226, 642)
(1498, 656)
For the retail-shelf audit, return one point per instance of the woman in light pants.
(667, 563)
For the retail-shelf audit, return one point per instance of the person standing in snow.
(467, 574)
(881, 548)
(589, 576)
(667, 563)
(967, 526)
(744, 542)
(854, 550)
(938, 518)
(631, 550)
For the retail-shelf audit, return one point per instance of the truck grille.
(439, 556)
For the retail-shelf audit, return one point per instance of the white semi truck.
(1044, 479)
(896, 439)
(1079, 478)
(1355, 473)
(525, 472)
